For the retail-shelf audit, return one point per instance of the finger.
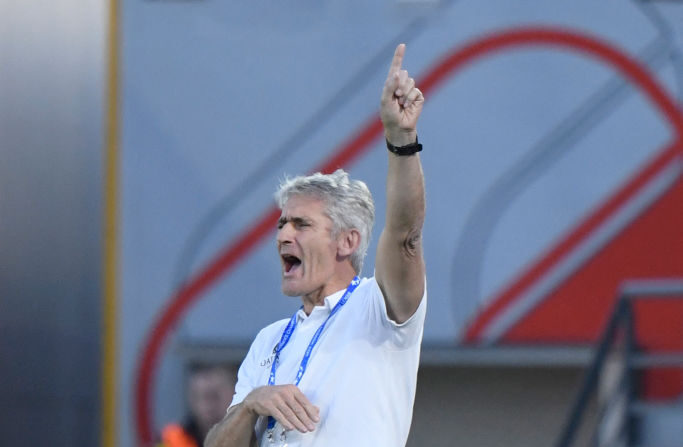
(312, 411)
(292, 411)
(398, 59)
(282, 419)
(390, 87)
(415, 95)
(405, 84)
(304, 410)
(303, 416)
(402, 80)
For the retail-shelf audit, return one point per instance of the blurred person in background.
(209, 391)
(342, 370)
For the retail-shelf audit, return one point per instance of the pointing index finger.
(397, 61)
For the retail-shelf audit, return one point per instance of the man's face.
(209, 394)
(304, 241)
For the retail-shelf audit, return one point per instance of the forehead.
(304, 206)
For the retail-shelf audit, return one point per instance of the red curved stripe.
(567, 244)
(348, 152)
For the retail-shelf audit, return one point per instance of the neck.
(317, 297)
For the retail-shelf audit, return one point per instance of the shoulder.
(369, 286)
(367, 293)
(268, 333)
(273, 327)
(376, 298)
(261, 348)
(373, 318)
(265, 340)
(173, 435)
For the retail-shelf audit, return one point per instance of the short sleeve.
(403, 335)
(244, 384)
(245, 375)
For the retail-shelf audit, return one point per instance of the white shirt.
(362, 373)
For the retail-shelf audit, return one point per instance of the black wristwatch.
(408, 149)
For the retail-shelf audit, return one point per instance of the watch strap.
(408, 149)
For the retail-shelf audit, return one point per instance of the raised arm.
(399, 268)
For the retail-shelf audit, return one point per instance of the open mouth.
(290, 262)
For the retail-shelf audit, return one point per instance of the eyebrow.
(295, 220)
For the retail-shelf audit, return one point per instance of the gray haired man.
(342, 370)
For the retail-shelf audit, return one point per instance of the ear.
(348, 242)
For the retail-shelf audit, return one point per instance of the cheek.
(320, 253)
(326, 251)
(327, 258)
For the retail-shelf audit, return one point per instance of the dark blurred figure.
(209, 392)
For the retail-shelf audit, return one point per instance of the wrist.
(401, 137)
(405, 150)
(247, 407)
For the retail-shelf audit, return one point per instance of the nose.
(285, 234)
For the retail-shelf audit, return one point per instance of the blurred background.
(141, 142)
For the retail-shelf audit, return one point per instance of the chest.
(337, 344)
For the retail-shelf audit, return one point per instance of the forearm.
(405, 210)
(235, 430)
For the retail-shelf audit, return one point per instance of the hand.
(287, 404)
(401, 103)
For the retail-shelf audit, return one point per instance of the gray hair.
(348, 203)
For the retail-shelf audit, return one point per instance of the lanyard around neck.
(287, 334)
(289, 330)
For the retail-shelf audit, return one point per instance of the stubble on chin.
(289, 290)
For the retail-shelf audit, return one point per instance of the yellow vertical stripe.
(110, 243)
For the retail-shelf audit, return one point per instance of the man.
(209, 389)
(342, 371)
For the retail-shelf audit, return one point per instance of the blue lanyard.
(287, 334)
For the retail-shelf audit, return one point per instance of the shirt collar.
(329, 303)
(332, 300)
